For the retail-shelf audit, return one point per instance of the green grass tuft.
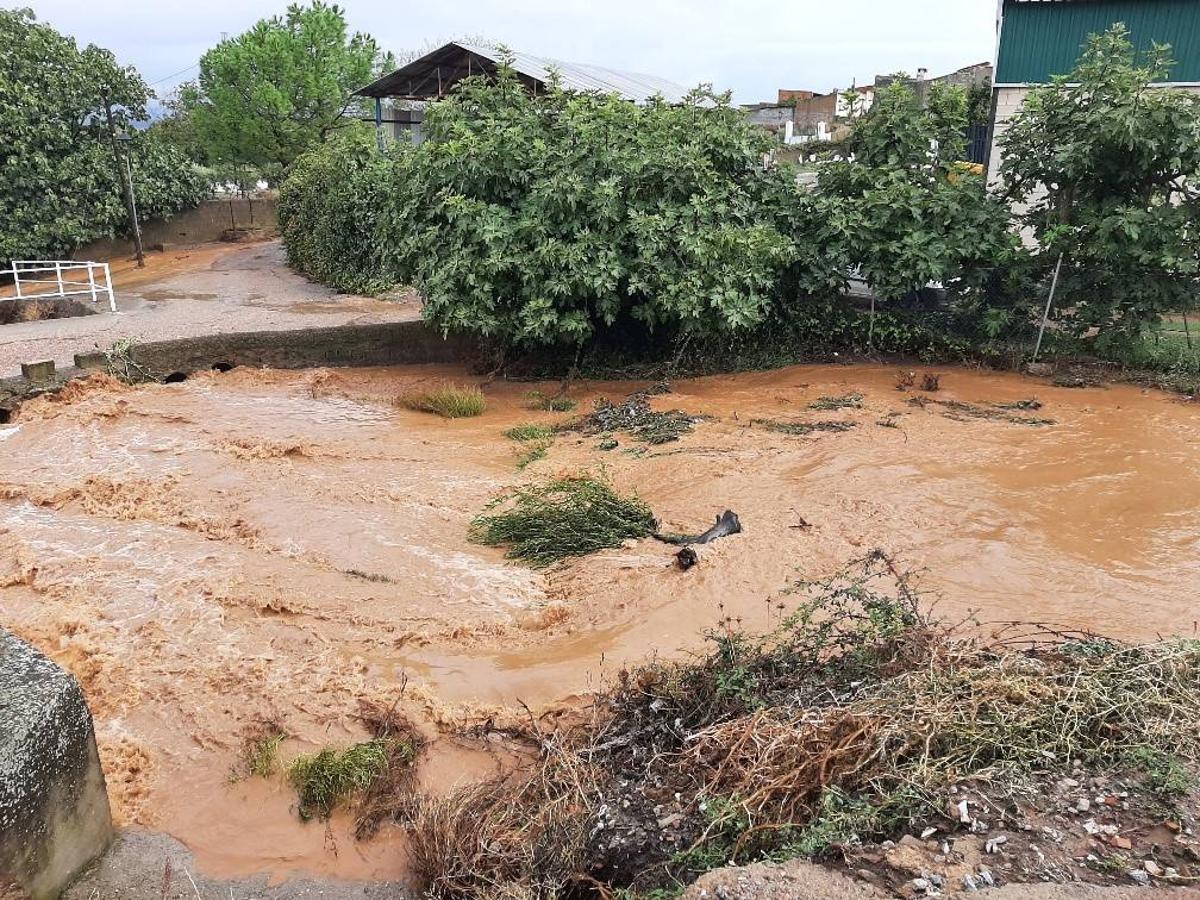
(325, 779)
(260, 753)
(451, 401)
(568, 516)
(530, 431)
(536, 439)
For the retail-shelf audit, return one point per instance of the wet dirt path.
(281, 544)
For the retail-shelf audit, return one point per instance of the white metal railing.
(36, 274)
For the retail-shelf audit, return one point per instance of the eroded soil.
(277, 545)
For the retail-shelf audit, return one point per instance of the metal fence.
(51, 279)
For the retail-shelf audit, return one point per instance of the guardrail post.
(91, 267)
(17, 278)
(112, 301)
(58, 275)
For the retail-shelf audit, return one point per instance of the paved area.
(206, 290)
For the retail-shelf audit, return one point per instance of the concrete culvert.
(175, 378)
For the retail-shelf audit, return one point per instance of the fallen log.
(727, 523)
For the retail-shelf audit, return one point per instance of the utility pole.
(126, 183)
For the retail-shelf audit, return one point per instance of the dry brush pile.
(849, 719)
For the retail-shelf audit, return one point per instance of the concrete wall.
(814, 110)
(54, 814)
(389, 344)
(207, 222)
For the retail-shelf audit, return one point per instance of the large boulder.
(54, 814)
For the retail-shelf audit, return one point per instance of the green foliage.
(569, 516)
(59, 183)
(544, 220)
(325, 779)
(281, 88)
(1108, 167)
(328, 208)
(902, 213)
(530, 432)
(449, 401)
(536, 439)
(1166, 773)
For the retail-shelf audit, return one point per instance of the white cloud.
(752, 46)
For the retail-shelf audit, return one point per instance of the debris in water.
(839, 401)
(801, 428)
(686, 558)
(727, 523)
(931, 382)
(634, 416)
(569, 516)
(958, 409)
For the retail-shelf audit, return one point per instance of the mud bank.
(277, 545)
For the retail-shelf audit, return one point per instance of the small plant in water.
(556, 403)
(325, 779)
(568, 516)
(451, 401)
(536, 439)
(260, 752)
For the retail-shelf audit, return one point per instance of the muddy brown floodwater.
(263, 544)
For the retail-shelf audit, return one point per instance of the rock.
(964, 812)
(1083, 805)
(1152, 868)
(1121, 843)
(994, 844)
(1139, 876)
(928, 832)
(54, 814)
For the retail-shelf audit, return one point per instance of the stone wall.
(54, 814)
(207, 222)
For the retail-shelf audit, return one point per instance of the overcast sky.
(751, 46)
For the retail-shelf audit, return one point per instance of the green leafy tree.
(549, 220)
(59, 185)
(900, 212)
(1107, 167)
(277, 90)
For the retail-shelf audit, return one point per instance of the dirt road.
(211, 289)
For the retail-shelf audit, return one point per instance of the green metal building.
(1038, 39)
(1042, 38)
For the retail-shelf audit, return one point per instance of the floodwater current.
(279, 545)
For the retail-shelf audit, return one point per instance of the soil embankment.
(264, 545)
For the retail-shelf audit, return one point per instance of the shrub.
(449, 401)
(569, 516)
(1102, 159)
(328, 209)
(535, 221)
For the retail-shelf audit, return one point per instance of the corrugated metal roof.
(1042, 38)
(581, 77)
(573, 76)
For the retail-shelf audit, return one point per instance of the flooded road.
(277, 545)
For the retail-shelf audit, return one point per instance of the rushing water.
(267, 544)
